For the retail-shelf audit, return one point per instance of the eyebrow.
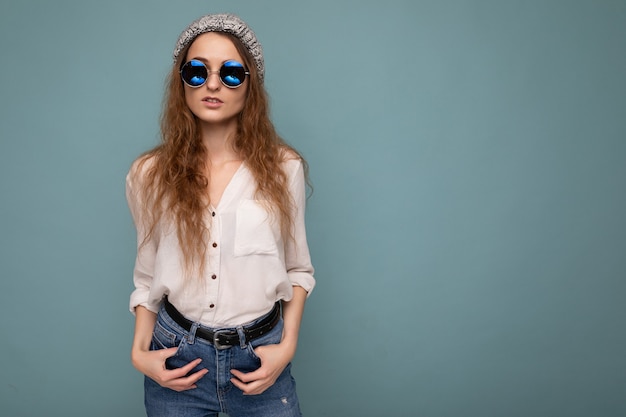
(205, 61)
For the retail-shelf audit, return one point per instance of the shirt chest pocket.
(256, 232)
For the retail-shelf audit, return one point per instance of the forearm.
(144, 326)
(293, 311)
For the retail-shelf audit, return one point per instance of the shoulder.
(296, 169)
(140, 168)
(288, 153)
(291, 161)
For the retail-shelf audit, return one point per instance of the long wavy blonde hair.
(175, 183)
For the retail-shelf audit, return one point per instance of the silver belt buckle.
(216, 341)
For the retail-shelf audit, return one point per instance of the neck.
(218, 141)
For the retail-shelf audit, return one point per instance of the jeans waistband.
(224, 339)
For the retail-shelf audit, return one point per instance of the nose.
(213, 83)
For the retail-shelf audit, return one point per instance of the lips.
(212, 102)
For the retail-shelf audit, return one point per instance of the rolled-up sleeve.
(146, 251)
(297, 257)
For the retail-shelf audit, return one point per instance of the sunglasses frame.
(219, 72)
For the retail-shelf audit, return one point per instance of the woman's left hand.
(274, 359)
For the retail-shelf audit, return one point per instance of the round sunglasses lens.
(232, 73)
(194, 73)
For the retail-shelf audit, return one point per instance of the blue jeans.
(215, 392)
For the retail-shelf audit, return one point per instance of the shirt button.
(213, 276)
(214, 245)
(212, 305)
(213, 214)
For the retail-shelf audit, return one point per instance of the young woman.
(223, 267)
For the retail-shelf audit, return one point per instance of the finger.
(250, 376)
(190, 381)
(246, 388)
(252, 388)
(185, 382)
(195, 377)
(251, 383)
(238, 374)
(167, 353)
(236, 382)
(183, 370)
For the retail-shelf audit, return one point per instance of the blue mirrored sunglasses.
(195, 73)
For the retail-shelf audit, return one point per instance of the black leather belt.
(224, 339)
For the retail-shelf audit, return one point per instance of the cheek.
(241, 104)
(192, 101)
(241, 99)
(188, 96)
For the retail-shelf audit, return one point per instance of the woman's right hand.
(152, 364)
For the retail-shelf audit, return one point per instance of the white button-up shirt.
(248, 266)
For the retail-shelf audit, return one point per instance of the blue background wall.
(467, 225)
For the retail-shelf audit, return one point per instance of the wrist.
(136, 352)
(289, 347)
(135, 358)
